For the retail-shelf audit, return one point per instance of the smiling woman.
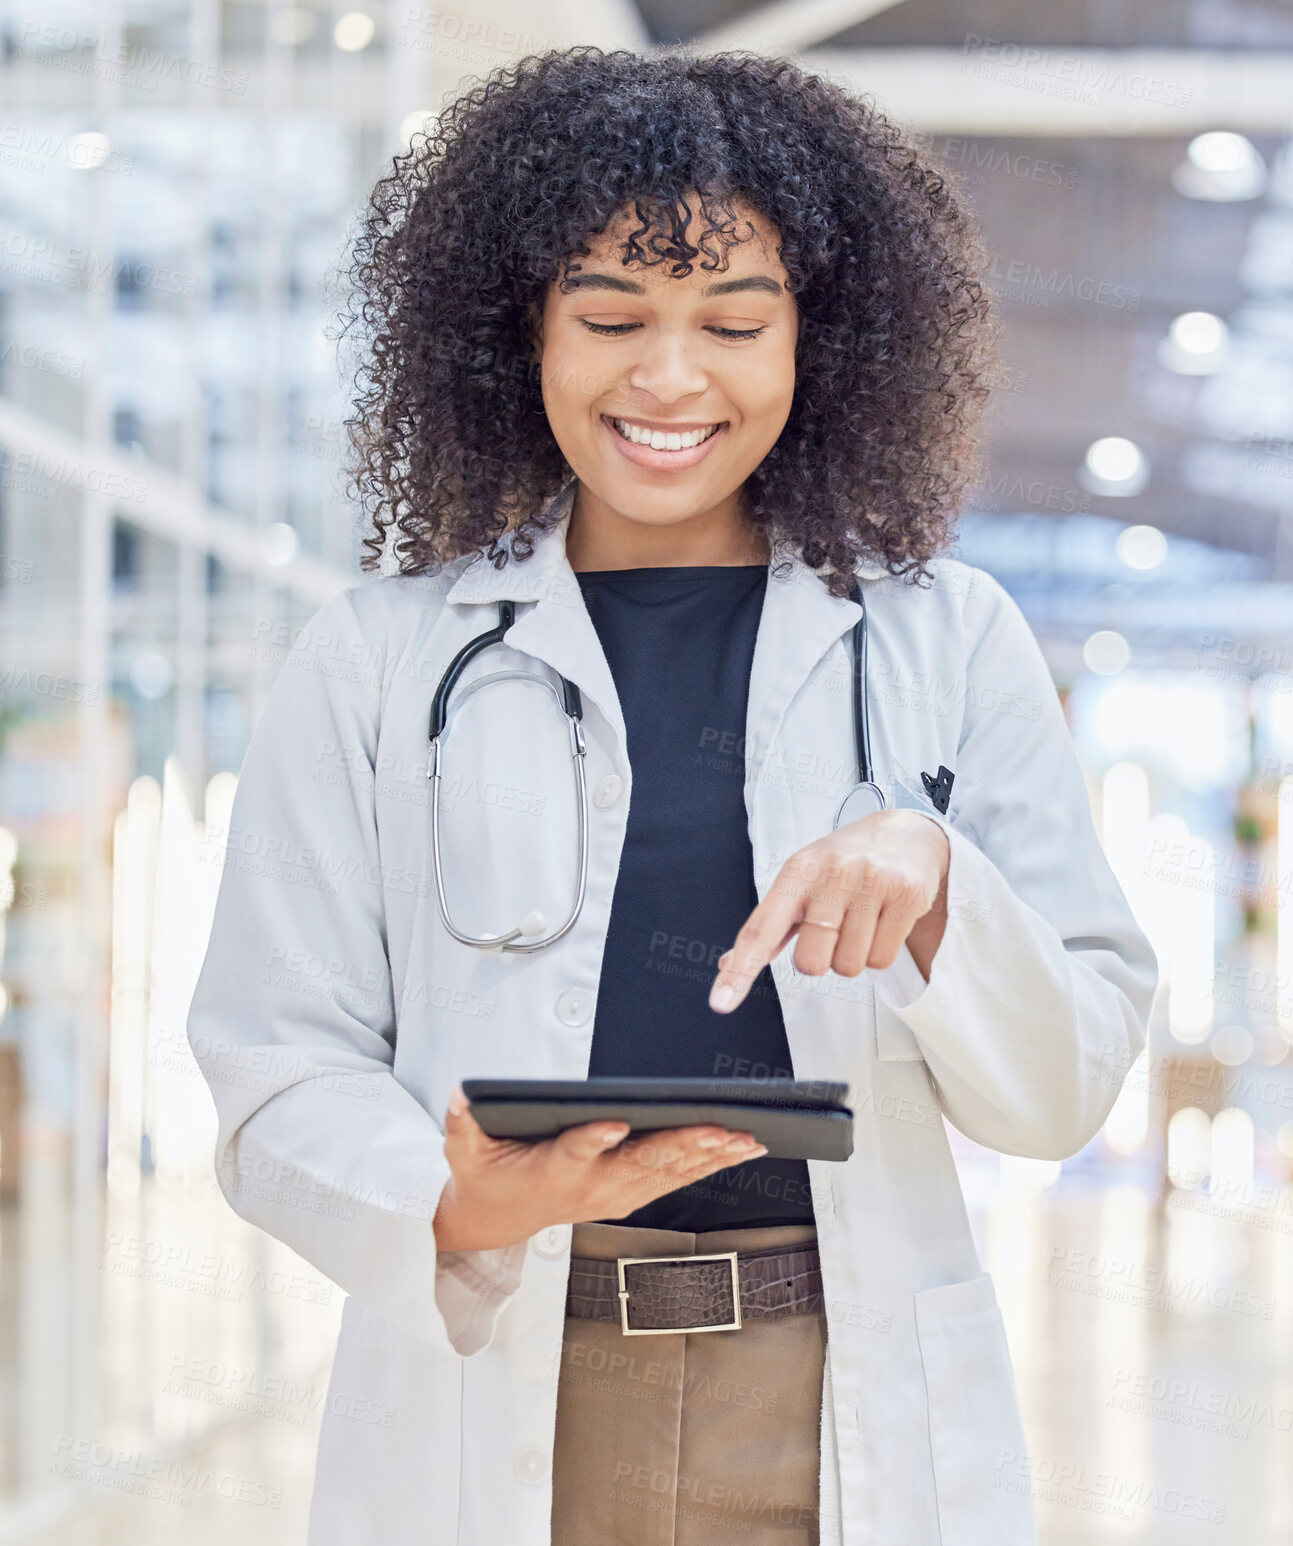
(646, 380)
(672, 369)
(587, 237)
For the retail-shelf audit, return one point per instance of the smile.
(663, 440)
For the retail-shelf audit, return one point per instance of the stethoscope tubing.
(572, 703)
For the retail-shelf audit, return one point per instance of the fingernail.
(758, 1149)
(722, 998)
(711, 1141)
(457, 1100)
(613, 1137)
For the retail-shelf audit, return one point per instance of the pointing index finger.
(763, 937)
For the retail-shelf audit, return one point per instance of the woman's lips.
(663, 461)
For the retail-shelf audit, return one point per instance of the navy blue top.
(680, 643)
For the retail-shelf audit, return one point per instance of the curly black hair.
(895, 353)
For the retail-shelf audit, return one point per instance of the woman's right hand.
(503, 1190)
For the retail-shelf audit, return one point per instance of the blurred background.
(178, 179)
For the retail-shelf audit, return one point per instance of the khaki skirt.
(688, 1438)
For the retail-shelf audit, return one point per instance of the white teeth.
(662, 440)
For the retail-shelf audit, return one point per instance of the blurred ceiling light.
(1106, 652)
(1196, 344)
(280, 542)
(1232, 1045)
(1142, 547)
(151, 675)
(1220, 166)
(354, 30)
(1189, 1145)
(1115, 466)
(1181, 868)
(1270, 1048)
(1231, 1166)
(293, 25)
(85, 152)
(423, 121)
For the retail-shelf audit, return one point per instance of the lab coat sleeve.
(1039, 994)
(292, 1020)
(472, 1287)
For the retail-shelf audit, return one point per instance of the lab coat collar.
(799, 623)
(532, 579)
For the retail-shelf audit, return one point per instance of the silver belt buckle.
(660, 1331)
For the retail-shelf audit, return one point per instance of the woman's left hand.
(853, 897)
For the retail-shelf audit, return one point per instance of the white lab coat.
(327, 941)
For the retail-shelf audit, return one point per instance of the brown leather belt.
(707, 1292)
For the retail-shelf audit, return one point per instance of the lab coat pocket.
(975, 1430)
(895, 1041)
(898, 983)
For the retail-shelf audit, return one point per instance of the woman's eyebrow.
(631, 286)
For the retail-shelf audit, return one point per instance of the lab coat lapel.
(800, 621)
(558, 629)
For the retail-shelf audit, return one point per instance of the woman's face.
(631, 353)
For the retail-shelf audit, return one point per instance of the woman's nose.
(667, 369)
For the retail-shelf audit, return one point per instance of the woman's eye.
(616, 329)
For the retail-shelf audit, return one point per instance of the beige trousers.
(688, 1438)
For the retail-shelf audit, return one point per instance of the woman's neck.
(599, 537)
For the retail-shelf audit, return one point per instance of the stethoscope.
(864, 798)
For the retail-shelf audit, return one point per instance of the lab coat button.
(553, 1242)
(574, 1007)
(530, 1465)
(608, 791)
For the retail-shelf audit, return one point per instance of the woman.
(669, 354)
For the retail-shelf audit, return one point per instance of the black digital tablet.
(795, 1118)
